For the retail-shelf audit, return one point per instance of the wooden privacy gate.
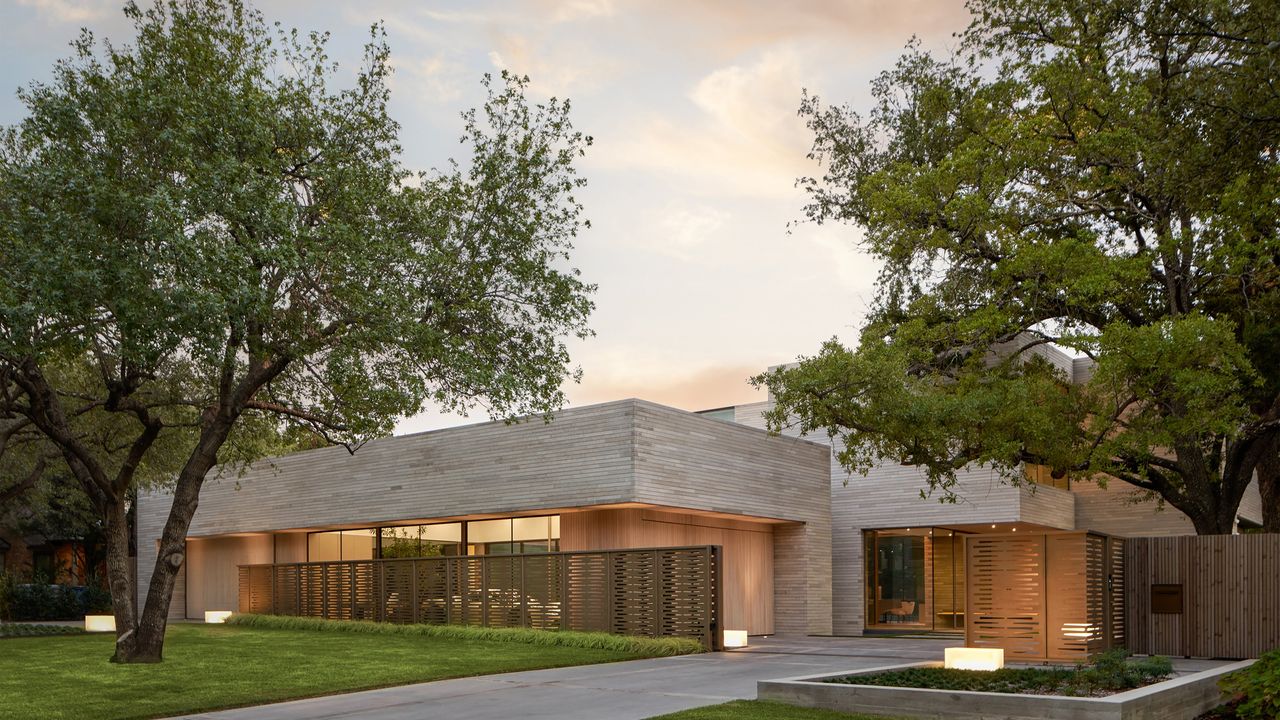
(1045, 596)
(657, 592)
(1204, 596)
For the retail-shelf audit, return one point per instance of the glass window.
(915, 579)
(483, 532)
(359, 544)
(441, 539)
(514, 535)
(324, 547)
(484, 537)
(404, 541)
(408, 541)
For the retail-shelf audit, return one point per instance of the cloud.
(574, 10)
(435, 79)
(684, 229)
(731, 27)
(744, 136)
(71, 11)
(554, 69)
(697, 389)
(853, 266)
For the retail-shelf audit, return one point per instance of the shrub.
(39, 600)
(8, 630)
(1111, 672)
(1257, 688)
(95, 599)
(649, 647)
(7, 585)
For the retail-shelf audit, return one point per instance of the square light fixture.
(216, 616)
(735, 638)
(967, 658)
(100, 623)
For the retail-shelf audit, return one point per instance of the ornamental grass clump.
(630, 644)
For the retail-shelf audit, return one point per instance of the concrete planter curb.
(1181, 698)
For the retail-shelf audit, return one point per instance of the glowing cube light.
(216, 616)
(100, 623)
(967, 658)
(735, 638)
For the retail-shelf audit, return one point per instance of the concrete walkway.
(619, 691)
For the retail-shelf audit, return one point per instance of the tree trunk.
(120, 577)
(1269, 485)
(1211, 523)
(153, 620)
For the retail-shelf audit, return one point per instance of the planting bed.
(1179, 698)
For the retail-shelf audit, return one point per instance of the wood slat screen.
(1230, 595)
(1043, 596)
(658, 592)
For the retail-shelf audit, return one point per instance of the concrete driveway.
(621, 691)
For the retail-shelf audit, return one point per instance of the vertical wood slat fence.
(1204, 596)
(1045, 596)
(655, 592)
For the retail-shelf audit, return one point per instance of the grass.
(761, 710)
(209, 667)
(12, 630)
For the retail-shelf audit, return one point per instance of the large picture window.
(915, 579)
(504, 536)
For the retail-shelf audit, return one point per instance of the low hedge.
(1112, 672)
(649, 647)
(12, 630)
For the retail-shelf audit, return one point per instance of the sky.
(692, 107)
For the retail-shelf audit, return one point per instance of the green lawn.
(218, 666)
(760, 710)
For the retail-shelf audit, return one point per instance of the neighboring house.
(807, 549)
(58, 560)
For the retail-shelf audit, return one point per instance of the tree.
(1100, 176)
(200, 237)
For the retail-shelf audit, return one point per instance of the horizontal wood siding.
(1230, 588)
(693, 462)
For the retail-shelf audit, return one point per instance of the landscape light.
(100, 623)
(735, 638)
(216, 617)
(967, 658)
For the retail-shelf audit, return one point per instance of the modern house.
(806, 548)
(626, 474)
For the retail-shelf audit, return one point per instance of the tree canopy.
(1100, 176)
(203, 240)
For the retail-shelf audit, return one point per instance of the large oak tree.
(203, 239)
(1099, 175)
